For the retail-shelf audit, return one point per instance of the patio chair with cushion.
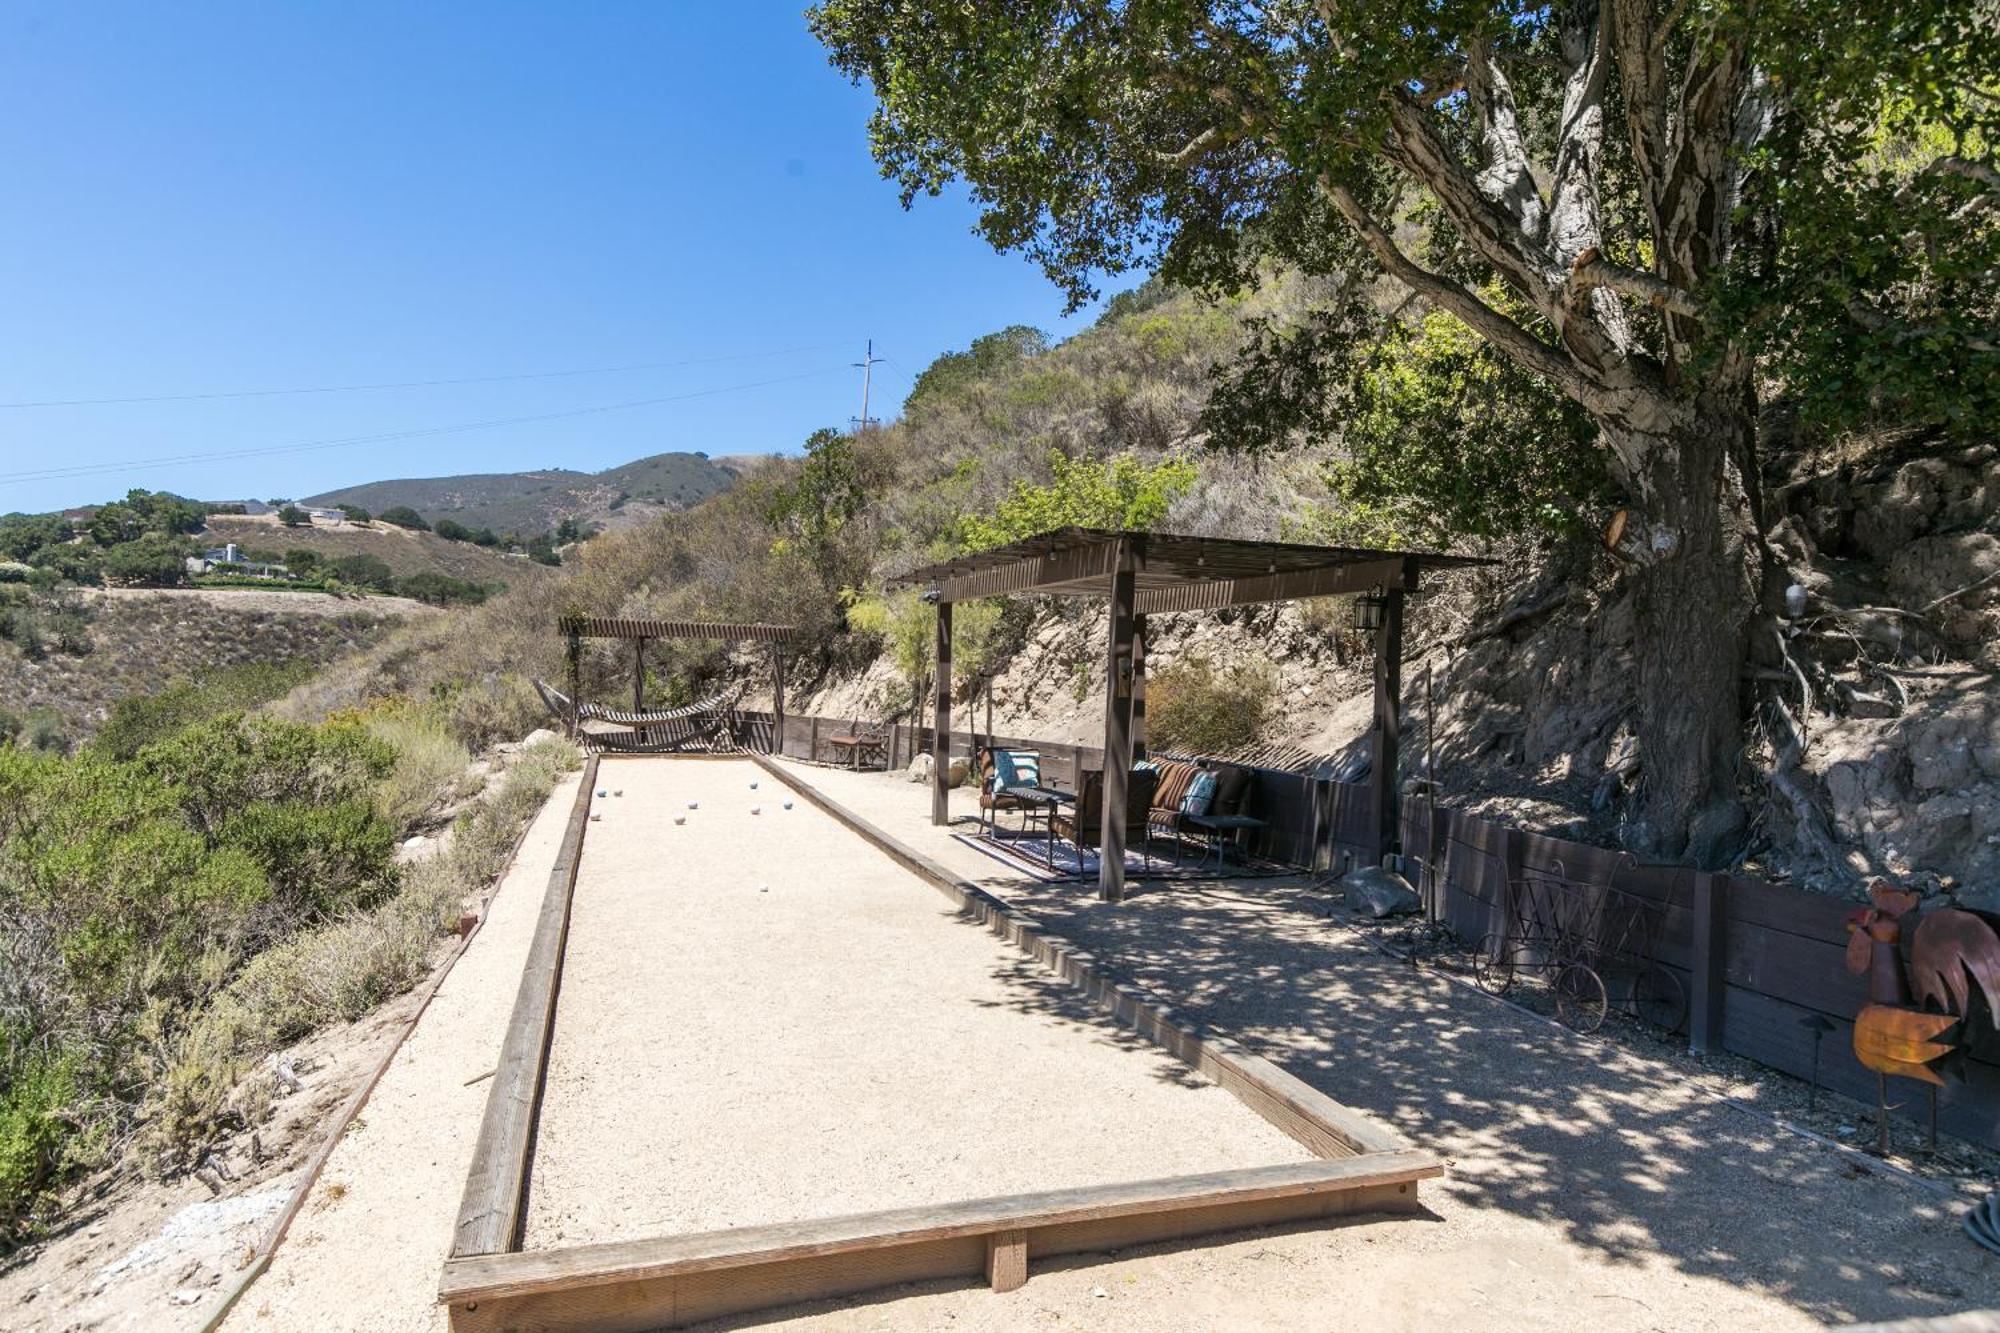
(1083, 822)
(1000, 770)
(1227, 816)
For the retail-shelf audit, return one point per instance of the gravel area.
(764, 1019)
(1589, 1184)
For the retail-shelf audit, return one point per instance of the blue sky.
(220, 198)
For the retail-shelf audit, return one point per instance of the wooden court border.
(489, 1283)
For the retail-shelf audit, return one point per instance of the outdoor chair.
(1024, 770)
(1082, 823)
(1228, 815)
(863, 743)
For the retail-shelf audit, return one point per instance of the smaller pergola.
(640, 632)
(1143, 574)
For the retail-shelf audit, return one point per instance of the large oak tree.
(1654, 207)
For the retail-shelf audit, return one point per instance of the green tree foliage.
(294, 517)
(1122, 493)
(356, 514)
(1441, 439)
(452, 530)
(1651, 208)
(955, 372)
(822, 495)
(442, 589)
(152, 560)
(298, 559)
(22, 535)
(364, 571)
(405, 517)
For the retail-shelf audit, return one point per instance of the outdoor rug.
(1027, 853)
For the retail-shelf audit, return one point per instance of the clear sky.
(221, 198)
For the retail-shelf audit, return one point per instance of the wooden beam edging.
(534, 1272)
(1323, 1125)
(489, 1214)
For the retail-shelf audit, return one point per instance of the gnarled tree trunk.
(1691, 545)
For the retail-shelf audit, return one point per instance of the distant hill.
(534, 502)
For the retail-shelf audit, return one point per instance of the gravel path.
(764, 1019)
(367, 1248)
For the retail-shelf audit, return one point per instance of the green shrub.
(404, 517)
(139, 721)
(319, 859)
(1193, 707)
(40, 1109)
(429, 763)
(442, 589)
(364, 571)
(334, 973)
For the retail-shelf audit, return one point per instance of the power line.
(133, 465)
(413, 384)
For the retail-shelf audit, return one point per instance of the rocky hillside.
(529, 503)
(1877, 751)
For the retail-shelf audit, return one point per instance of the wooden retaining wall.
(1759, 961)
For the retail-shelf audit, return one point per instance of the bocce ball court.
(764, 1053)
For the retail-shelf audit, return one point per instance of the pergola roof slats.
(1174, 572)
(623, 627)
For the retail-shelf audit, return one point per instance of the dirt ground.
(1587, 1184)
(255, 599)
(810, 1031)
(1588, 1188)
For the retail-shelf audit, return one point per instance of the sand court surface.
(765, 1019)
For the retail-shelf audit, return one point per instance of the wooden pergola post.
(941, 722)
(638, 675)
(1138, 688)
(1118, 663)
(778, 699)
(1387, 736)
(575, 655)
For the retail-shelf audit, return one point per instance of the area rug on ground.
(1033, 853)
(784, 1067)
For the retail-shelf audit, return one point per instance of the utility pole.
(867, 368)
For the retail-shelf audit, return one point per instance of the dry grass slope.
(142, 642)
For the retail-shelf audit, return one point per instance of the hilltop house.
(228, 559)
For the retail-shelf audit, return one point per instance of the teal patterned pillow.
(1201, 794)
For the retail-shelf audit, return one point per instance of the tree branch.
(1592, 270)
(1485, 223)
(1509, 338)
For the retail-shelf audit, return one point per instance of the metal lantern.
(1368, 609)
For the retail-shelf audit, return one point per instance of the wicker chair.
(1083, 822)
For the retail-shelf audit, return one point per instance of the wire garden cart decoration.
(1591, 943)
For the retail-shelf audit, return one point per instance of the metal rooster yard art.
(1905, 1035)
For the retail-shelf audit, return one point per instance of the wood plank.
(1118, 682)
(489, 1214)
(941, 721)
(1310, 1117)
(683, 1298)
(1007, 1259)
(486, 1277)
(1711, 942)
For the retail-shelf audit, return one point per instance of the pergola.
(1143, 574)
(639, 632)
